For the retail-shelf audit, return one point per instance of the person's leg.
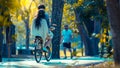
(74, 51)
(109, 51)
(65, 52)
(70, 52)
(64, 47)
(102, 50)
(69, 48)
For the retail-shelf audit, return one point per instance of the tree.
(84, 23)
(57, 12)
(5, 21)
(1, 42)
(10, 40)
(113, 8)
(26, 19)
(25, 14)
(89, 16)
(13, 38)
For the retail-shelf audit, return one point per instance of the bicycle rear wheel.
(38, 53)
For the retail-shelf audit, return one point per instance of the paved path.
(58, 63)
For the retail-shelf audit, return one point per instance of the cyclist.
(40, 27)
(50, 34)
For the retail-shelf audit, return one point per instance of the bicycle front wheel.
(48, 54)
(38, 54)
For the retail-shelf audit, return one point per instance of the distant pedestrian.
(66, 39)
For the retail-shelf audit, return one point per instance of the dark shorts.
(67, 45)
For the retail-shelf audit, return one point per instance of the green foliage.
(68, 13)
(93, 10)
(71, 1)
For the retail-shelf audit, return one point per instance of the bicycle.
(38, 53)
(39, 48)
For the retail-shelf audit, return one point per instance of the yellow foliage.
(75, 5)
(97, 35)
(6, 22)
(47, 8)
(103, 36)
(24, 36)
(14, 37)
(8, 6)
(3, 32)
(72, 17)
(68, 16)
(25, 4)
(28, 9)
(68, 21)
(79, 3)
(19, 18)
(1, 18)
(67, 6)
(19, 10)
(74, 44)
(12, 4)
(6, 13)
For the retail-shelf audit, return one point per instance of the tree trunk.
(27, 35)
(27, 51)
(1, 42)
(89, 26)
(95, 41)
(91, 46)
(8, 41)
(9, 47)
(57, 12)
(13, 47)
(86, 40)
(113, 9)
(83, 33)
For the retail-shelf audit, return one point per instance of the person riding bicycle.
(40, 27)
(50, 34)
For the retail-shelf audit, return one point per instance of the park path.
(53, 63)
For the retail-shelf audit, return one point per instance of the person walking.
(66, 39)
